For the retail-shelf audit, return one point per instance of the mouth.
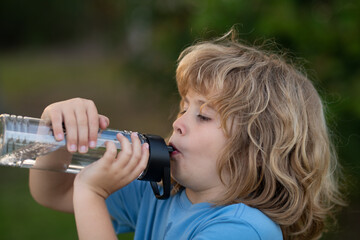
(175, 150)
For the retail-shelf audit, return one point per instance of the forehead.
(199, 99)
(194, 96)
(199, 86)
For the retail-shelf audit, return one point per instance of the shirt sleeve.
(123, 206)
(229, 230)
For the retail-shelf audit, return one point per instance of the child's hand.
(81, 121)
(114, 170)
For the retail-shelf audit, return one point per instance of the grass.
(22, 218)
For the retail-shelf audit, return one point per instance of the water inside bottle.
(24, 156)
(20, 149)
(24, 139)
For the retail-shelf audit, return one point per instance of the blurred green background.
(122, 55)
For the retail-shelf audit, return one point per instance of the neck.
(210, 195)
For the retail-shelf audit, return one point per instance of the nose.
(178, 125)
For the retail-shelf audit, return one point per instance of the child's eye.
(182, 112)
(203, 118)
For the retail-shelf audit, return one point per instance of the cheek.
(216, 137)
(212, 147)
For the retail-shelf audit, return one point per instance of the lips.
(176, 151)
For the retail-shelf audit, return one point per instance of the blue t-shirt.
(135, 208)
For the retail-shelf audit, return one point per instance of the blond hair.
(279, 155)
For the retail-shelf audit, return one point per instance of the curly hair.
(279, 155)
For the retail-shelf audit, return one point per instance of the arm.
(82, 121)
(97, 181)
(52, 189)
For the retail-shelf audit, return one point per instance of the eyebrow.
(201, 103)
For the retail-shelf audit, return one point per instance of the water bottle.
(23, 139)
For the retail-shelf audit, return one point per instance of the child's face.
(198, 139)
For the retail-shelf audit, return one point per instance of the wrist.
(84, 191)
(91, 215)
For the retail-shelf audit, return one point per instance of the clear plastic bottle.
(23, 139)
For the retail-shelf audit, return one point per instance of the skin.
(197, 138)
(88, 189)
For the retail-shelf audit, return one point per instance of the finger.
(56, 120)
(142, 163)
(103, 121)
(71, 130)
(144, 158)
(93, 121)
(82, 129)
(126, 150)
(110, 153)
(136, 150)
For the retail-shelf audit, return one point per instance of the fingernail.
(59, 136)
(146, 145)
(92, 144)
(83, 149)
(73, 148)
(134, 134)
